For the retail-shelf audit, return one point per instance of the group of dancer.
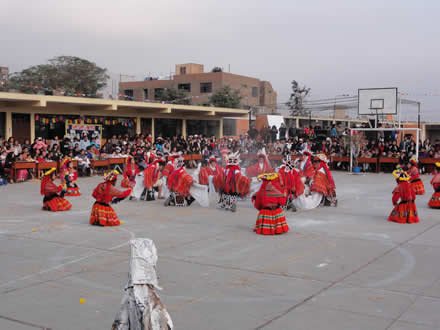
(304, 183)
(409, 185)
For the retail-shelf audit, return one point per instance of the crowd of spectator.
(334, 142)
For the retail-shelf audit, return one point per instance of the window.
(167, 128)
(229, 127)
(206, 87)
(184, 87)
(158, 92)
(203, 127)
(128, 94)
(183, 70)
(146, 94)
(254, 91)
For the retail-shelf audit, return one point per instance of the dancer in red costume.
(269, 199)
(260, 167)
(179, 182)
(405, 210)
(323, 182)
(291, 182)
(106, 193)
(69, 176)
(52, 200)
(231, 184)
(434, 202)
(130, 172)
(152, 178)
(415, 180)
(306, 169)
(212, 169)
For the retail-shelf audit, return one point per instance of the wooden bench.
(429, 163)
(46, 166)
(99, 163)
(369, 160)
(20, 166)
(116, 161)
(337, 159)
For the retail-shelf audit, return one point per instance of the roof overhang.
(46, 101)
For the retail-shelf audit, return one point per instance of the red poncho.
(270, 195)
(404, 192)
(130, 172)
(105, 191)
(231, 181)
(151, 175)
(256, 169)
(179, 181)
(290, 180)
(306, 168)
(205, 172)
(48, 188)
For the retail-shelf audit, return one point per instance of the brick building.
(200, 85)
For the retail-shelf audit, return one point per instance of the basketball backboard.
(377, 101)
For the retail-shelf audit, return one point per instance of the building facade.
(200, 85)
(4, 75)
(26, 116)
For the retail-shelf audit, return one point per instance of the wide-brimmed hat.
(268, 176)
(111, 176)
(401, 175)
(322, 158)
(49, 172)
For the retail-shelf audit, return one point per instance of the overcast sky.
(334, 47)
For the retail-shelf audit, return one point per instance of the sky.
(333, 47)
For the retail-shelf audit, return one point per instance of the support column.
(220, 129)
(297, 122)
(152, 129)
(32, 117)
(184, 128)
(8, 128)
(138, 125)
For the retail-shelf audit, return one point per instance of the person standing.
(416, 182)
(268, 200)
(434, 202)
(404, 197)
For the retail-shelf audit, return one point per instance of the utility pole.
(418, 115)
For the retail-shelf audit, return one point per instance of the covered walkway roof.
(19, 100)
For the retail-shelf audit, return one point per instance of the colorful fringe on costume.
(434, 202)
(180, 181)
(271, 222)
(418, 186)
(72, 191)
(103, 215)
(322, 185)
(56, 203)
(404, 212)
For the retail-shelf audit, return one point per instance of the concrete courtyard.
(338, 268)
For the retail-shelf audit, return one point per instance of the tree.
(72, 75)
(176, 96)
(217, 69)
(226, 97)
(296, 99)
